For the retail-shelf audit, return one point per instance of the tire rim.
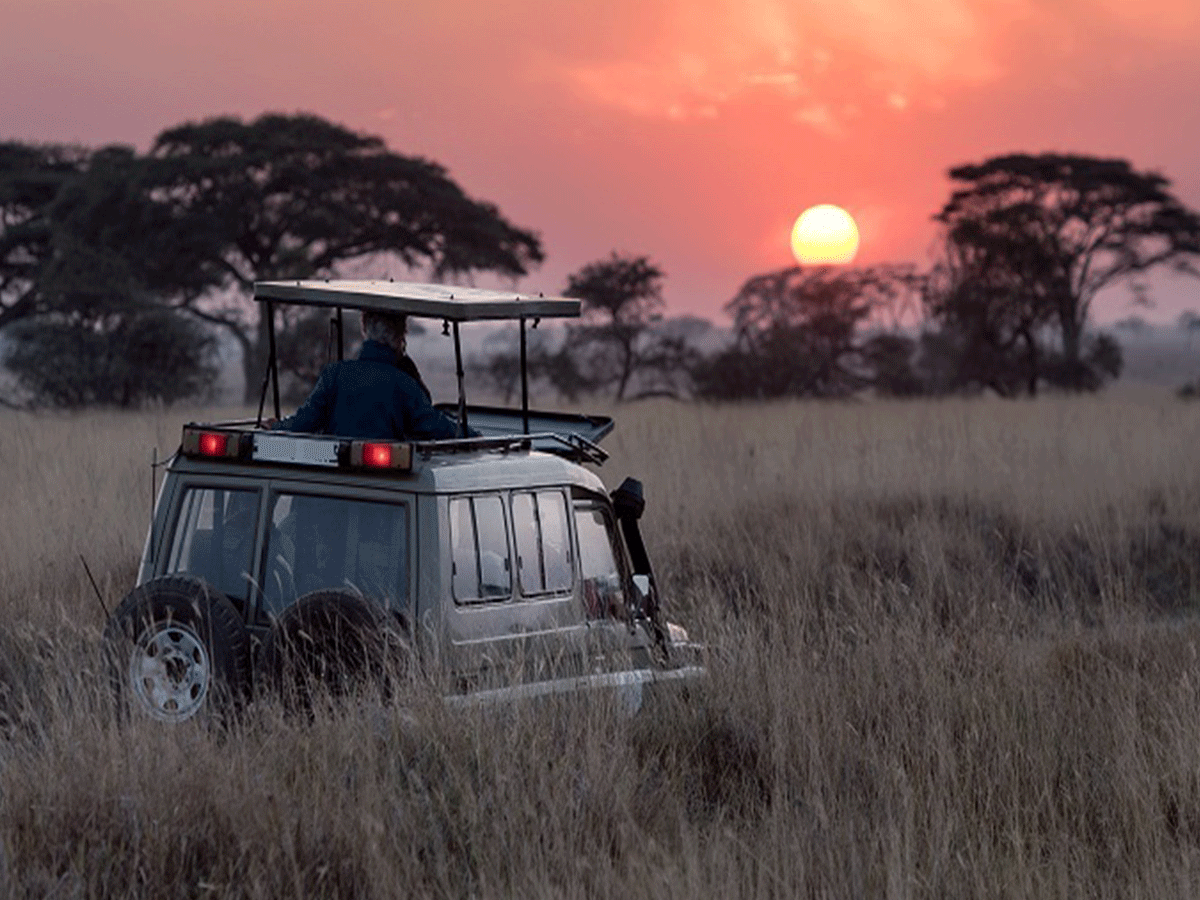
(170, 672)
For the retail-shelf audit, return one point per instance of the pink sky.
(692, 131)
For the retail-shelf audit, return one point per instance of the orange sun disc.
(824, 235)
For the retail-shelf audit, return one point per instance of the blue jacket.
(369, 397)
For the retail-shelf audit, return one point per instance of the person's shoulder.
(329, 372)
(406, 382)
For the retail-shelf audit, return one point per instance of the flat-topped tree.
(1064, 227)
(86, 253)
(31, 176)
(622, 303)
(295, 196)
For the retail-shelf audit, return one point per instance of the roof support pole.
(272, 359)
(524, 380)
(341, 337)
(462, 391)
(271, 375)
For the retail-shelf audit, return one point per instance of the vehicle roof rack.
(450, 303)
(574, 447)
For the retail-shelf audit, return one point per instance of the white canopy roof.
(434, 301)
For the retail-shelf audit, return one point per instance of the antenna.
(154, 495)
(95, 587)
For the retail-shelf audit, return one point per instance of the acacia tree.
(285, 197)
(800, 332)
(31, 177)
(987, 302)
(1048, 232)
(621, 303)
(87, 326)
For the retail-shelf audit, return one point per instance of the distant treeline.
(118, 271)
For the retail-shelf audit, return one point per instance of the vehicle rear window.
(479, 538)
(214, 538)
(317, 543)
(543, 542)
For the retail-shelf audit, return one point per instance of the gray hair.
(387, 328)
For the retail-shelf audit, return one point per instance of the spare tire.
(334, 642)
(177, 648)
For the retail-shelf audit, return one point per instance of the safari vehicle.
(497, 561)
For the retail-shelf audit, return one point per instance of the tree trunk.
(1033, 362)
(1072, 340)
(254, 359)
(626, 368)
(252, 367)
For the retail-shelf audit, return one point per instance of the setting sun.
(824, 235)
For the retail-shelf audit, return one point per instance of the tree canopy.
(93, 240)
(799, 332)
(1032, 239)
(621, 300)
(87, 267)
(297, 196)
(31, 177)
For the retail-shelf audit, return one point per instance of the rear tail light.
(394, 455)
(211, 443)
(377, 455)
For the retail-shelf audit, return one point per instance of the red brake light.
(394, 456)
(377, 455)
(213, 443)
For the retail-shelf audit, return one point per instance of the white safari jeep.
(497, 562)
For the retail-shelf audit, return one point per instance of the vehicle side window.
(543, 542)
(214, 538)
(479, 541)
(317, 543)
(603, 595)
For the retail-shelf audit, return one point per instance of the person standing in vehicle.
(378, 395)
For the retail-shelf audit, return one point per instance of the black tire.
(176, 649)
(333, 643)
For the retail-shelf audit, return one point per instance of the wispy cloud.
(821, 56)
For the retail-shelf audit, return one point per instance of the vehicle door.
(336, 537)
(514, 614)
(213, 527)
(605, 586)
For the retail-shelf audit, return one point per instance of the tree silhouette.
(1044, 234)
(621, 300)
(91, 262)
(800, 333)
(124, 359)
(94, 239)
(286, 197)
(31, 177)
(986, 302)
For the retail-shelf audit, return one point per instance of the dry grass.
(953, 656)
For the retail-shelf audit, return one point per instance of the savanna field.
(954, 652)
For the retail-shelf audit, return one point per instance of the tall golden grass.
(952, 655)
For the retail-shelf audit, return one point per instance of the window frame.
(471, 497)
(250, 591)
(568, 537)
(275, 489)
(588, 501)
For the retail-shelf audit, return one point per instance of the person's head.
(387, 328)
